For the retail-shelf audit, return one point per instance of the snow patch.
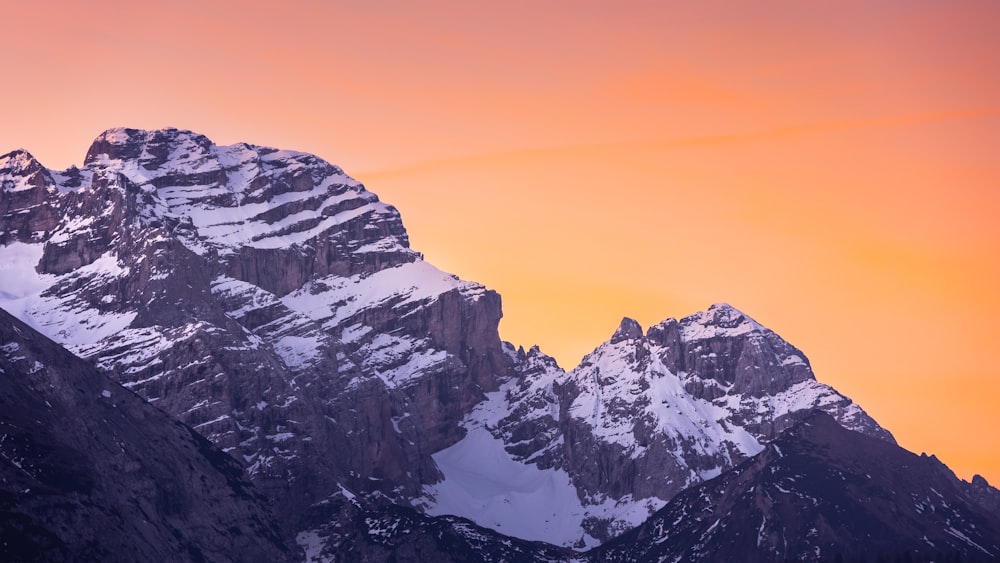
(298, 351)
(483, 483)
(335, 299)
(21, 281)
(312, 544)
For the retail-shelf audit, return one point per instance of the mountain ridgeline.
(359, 404)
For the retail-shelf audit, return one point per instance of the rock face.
(89, 471)
(261, 296)
(819, 492)
(273, 304)
(642, 417)
(982, 492)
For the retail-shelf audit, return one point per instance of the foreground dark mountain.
(362, 530)
(89, 471)
(273, 303)
(820, 492)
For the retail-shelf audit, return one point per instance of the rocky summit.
(272, 304)
(644, 416)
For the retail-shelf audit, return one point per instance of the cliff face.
(261, 296)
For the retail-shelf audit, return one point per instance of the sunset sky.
(830, 168)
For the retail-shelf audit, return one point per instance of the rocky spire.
(628, 329)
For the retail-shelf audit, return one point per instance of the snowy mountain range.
(272, 304)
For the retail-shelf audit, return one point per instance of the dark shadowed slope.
(819, 492)
(367, 530)
(89, 471)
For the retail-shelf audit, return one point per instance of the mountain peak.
(724, 314)
(122, 143)
(20, 171)
(114, 137)
(721, 319)
(120, 135)
(628, 329)
(16, 160)
(125, 135)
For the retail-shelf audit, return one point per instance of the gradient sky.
(830, 168)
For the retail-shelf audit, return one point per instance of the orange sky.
(832, 169)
